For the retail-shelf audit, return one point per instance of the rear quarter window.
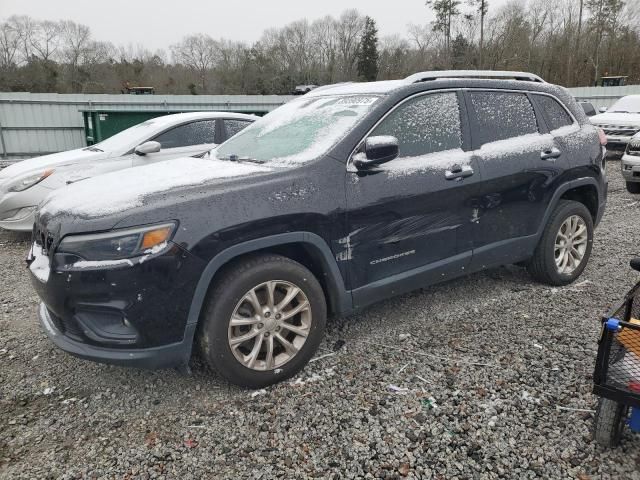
(555, 114)
(502, 115)
(235, 126)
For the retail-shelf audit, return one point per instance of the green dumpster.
(102, 124)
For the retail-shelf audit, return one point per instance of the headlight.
(29, 181)
(116, 245)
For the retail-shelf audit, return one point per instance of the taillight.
(602, 137)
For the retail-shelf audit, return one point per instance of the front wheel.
(633, 187)
(565, 246)
(264, 320)
(609, 422)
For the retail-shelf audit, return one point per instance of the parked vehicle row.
(25, 184)
(340, 198)
(620, 122)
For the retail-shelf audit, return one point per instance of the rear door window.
(502, 115)
(195, 133)
(555, 114)
(425, 124)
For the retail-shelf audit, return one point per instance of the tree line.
(569, 42)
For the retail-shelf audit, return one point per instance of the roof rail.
(428, 76)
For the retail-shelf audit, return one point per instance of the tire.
(542, 265)
(231, 295)
(633, 187)
(609, 422)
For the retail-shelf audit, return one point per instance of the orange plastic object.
(631, 338)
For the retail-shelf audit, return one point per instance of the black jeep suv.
(338, 199)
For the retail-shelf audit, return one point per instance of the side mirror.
(148, 147)
(377, 150)
(602, 109)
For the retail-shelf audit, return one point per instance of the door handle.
(550, 154)
(458, 173)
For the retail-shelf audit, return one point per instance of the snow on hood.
(122, 190)
(611, 118)
(47, 161)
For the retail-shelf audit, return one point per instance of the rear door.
(410, 219)
(563, 127)
(517, 157)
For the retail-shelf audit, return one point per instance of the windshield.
(630, 104)
(299, 131)
(126, 137)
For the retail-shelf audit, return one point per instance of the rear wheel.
(264, 320)
(633, 187)
(565, 247)
(609, 422)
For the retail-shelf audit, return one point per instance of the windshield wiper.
(236, 158)
(94, 149)
(619, 111)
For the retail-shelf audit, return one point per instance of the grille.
(620, 130)
(66, 327)
(618, 366)
(634, 147)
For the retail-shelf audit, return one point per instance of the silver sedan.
(25, 184)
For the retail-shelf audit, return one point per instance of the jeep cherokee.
(345, 196)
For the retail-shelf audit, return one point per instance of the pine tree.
(368, 52)
(445, 11)
(482, 7)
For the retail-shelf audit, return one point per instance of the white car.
(630, 165)
(620, 122)
(25, 184)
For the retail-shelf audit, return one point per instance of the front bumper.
(132, 314)
(630, 166)
(22, 221)
(166, 356)
(17, 208)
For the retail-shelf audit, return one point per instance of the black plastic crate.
(617, 373)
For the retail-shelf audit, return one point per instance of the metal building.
(33, 124)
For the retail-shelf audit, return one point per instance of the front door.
(182, 141)
(410, 220)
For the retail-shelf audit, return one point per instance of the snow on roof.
(186, 116)
(355, 88)
(122, 190)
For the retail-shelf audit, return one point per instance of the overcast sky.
(159, 23)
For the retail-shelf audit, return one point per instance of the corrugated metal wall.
(603, 96)
(33, 124)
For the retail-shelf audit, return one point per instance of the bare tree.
(197, 52)
(45, 40)
(11, 39)
(348, 31)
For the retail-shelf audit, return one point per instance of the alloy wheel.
(269, 325)
(571, 244)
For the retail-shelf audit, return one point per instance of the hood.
(611, 118)
(122, 191)
(47, 161)
(80, 171)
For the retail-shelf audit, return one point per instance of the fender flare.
(332, 273)
(564, 188)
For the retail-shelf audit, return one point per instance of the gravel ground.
(480, 365)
